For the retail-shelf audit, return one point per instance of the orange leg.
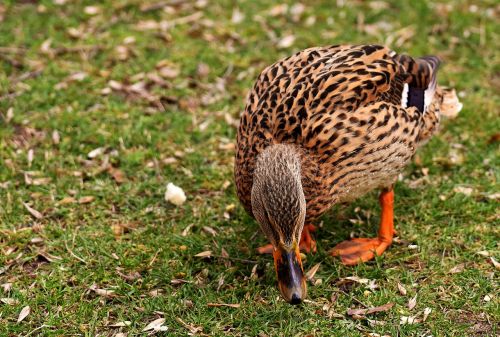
(354, 251)
(307, 243)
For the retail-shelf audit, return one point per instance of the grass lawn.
(102, 103)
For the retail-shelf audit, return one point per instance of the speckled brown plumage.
(341, 109)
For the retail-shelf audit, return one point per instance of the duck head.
(279, 206)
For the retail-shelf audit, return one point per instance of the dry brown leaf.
(120, 324)
(232, 305)
(102, 292)
(130, 276)
(495, 263)
(186, 230)
(427, 311)
(10, 115)
(408, 320)
(253, 273)
(209, 230)
(367, 311)
(412, 302)
(155, 292)
(202, 70)
(192, 328)
(86, 200)
(169, 72)
(286, 42)
(311, 272)
(156, 325)
(117, 175)
(24, 313)
(464, 190)
(177, 281)
(402, 289)
(357, 279)
(96, 152)
(206, 253)
(49, 257)
(6, 287)
(33, 211)
(9, 301)
(457, 269)
(41, 181)
(66, 200)
(238, 16)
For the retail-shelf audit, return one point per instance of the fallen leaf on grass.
(232, 305)
(177, 281)
(96, 152)
(33, 211)
(495, 262)
(102, 292)
(186, 230)
(464, 190)
(408, 320)
(412, 303)
(192, 328)
(117, 175)
(9, 301)
(6, 287)
(427, 311)
(209, 230)
(24, 313)
(237, 16)
(156, 325)
(286, 42)
(206, 253)
(402, 289)
(368, 311)
(121, 228)
(357, 279)
(49, 257)
(457, 269)
(91, 10)
(66, 200)
(86, 199)
(311, 272)
(120, 324)
(130, 276)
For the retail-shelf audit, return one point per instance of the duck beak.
(290, 273)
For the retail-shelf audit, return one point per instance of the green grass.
(449, 228)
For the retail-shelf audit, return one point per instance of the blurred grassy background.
(103, 103)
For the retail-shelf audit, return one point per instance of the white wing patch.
(404, 96)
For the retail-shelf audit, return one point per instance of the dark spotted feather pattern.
(342, 108)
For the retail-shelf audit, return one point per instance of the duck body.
(341, 108)
(324, 126)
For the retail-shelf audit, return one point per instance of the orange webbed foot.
(307, 243)
(354, 251)
(364, 249)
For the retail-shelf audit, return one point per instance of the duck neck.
(277, 193)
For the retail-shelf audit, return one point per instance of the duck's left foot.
(354, 251)
(361, 250)
(307, 243)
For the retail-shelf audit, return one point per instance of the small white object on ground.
(175, 194)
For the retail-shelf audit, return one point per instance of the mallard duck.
(326, 126)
